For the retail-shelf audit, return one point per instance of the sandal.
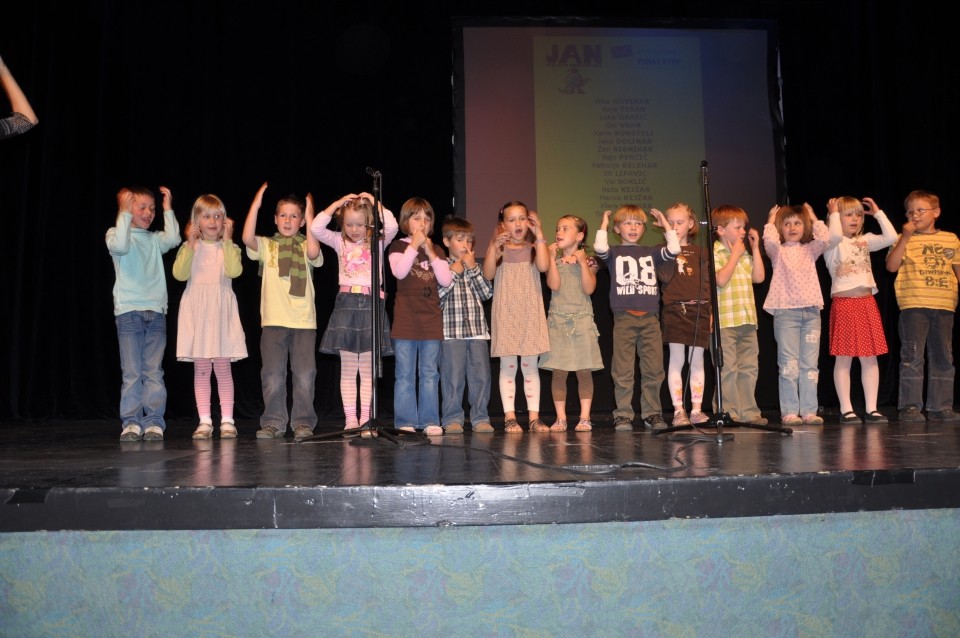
(511, 426)
(559, 426)
(849, 417)
(584, 426)
(539, 426)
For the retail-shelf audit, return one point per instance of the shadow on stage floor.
(77, 475)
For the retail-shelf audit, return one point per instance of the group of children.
(443, 345)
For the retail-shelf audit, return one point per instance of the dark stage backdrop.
(218, 97)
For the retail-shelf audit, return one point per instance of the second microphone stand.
(720, 418)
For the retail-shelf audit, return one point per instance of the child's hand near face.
(192, 234)
(754, 238)
(605, 221)
(772, 216)
(869, 206)
(125, 200)
(227, 229)
(658, 218)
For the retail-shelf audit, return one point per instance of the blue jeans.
(931, 330)
(465, 360)
(143, 396)
(797, 331)
(410, 406)
(277, 345)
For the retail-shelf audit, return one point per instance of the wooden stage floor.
(77, 475)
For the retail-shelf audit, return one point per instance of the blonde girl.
(686, 315)
(514, 260)
(794, 239)
(572, 276)
(856, 329)
(348, 332)
(208, 329)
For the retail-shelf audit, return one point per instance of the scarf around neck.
(291, 262)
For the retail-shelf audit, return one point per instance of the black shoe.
(850, 417)
(875, 417)
(944, 416)
(912, 415)
(655, 421)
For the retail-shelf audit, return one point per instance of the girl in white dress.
(208, 328)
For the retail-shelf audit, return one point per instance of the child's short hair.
(684, 206)
(785, 212)
(726, 213)
(142, 191)
(456, 226)
(206, 203)
(629, 211)
(921, 194)
(291, 199)
(410, 208)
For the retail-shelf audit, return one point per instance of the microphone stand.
(373, 427)
(720, 418)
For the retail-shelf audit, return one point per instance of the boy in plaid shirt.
(737, 271)
(464, 351)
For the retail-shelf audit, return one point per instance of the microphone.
(372, 171)
(703, 171)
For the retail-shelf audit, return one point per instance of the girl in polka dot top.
(794, 238)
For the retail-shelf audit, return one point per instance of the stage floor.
(77, 475)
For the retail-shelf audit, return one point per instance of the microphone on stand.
(372, 171)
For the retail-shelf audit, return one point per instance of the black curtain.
(218, 97)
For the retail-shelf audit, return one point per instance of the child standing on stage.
(464, 352)
(288, 314)
(140, 308)
(574, 345)
(737, 272)
(516, 256)
(686, 316)
(208, 329)
(635, 303)
(794, 238)
(856, 329)
(348, 333)
(927, 263)
(420, 267)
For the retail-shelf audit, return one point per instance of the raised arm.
(542, 258)
(18, 101)
(250, 224)
(759, 271)
(313, 244)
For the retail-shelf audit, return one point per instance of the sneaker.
(131, 433)
(697, 417)
(203, 431)
(912, 414)
(483, 427)
(875, 417)
(269, 432)
(433, 430)
(623, 424)
(944, 416)
(812, 419)
(228, 430)
(680, 417)
(302, 431)
(655, 421)
(584, 425)
(453, 428)
(791, 419)
(153, 433)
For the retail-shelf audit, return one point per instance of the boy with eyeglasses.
(927, 263)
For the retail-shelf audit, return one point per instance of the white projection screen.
(576, 116)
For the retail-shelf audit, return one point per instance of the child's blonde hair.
(208, 203)
(846, 204)
(410, 208)
(726, 213)
(684, 206)
(629, 211)
(921, 194)
(786, 212)
(361, 205)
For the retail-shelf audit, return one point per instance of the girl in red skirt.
(855, 326)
